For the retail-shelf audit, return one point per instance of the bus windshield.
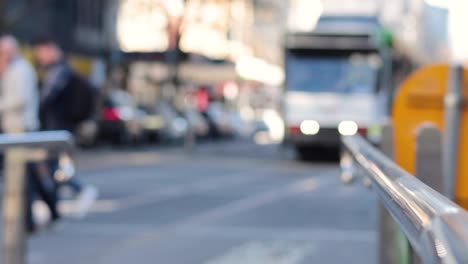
(357, 73)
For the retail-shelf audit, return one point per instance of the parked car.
(153, 123)
(121, 121)
(175, 125)
(219, 120)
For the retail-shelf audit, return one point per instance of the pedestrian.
(66, 100)
(19, 97)
(19, 103)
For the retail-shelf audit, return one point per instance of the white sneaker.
(85, 200)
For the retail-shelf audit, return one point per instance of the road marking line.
(258, 200)
(249, 233)
(165, 193)
(304, 234)
(68, 207)
(274, 252)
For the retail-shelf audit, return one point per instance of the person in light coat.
(19, 98)
(19, 110)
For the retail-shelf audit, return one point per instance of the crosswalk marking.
(271, 252)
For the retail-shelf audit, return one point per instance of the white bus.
(333, 83)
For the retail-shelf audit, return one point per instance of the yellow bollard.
(420, 100)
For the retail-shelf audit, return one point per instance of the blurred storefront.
(143, 25)
(85, 26)
(216, 28)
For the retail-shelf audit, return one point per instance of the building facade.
(80, 26)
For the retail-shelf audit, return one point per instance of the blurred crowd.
(60, 100)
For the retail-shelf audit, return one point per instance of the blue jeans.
(40, 186)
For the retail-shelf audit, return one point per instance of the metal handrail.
(51, 140)
(19, 149)
(436, 227)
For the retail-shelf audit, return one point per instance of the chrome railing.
(436, 228)
(55, 140)
(20, 149)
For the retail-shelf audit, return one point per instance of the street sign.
(420, 100)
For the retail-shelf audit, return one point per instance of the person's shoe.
(85, 201)
(31, 230)
(55, 216)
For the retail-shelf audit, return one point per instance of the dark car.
(121, 121)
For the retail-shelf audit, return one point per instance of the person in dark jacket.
(56, 78)
(57, 100)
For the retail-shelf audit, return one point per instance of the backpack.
(80, 97)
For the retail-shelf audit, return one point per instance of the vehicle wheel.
(123, 138)
(153, 137)
(305, 153)
(137, 140)
(317, 153)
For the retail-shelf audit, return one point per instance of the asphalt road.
(232, 202)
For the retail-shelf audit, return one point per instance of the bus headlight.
(348, 128)
(310, 127)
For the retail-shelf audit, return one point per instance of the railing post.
(453, 104)
(190, 138)
(393, 246)
(429, 157)
(20, 149)
(428, 162)
(14, 206)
